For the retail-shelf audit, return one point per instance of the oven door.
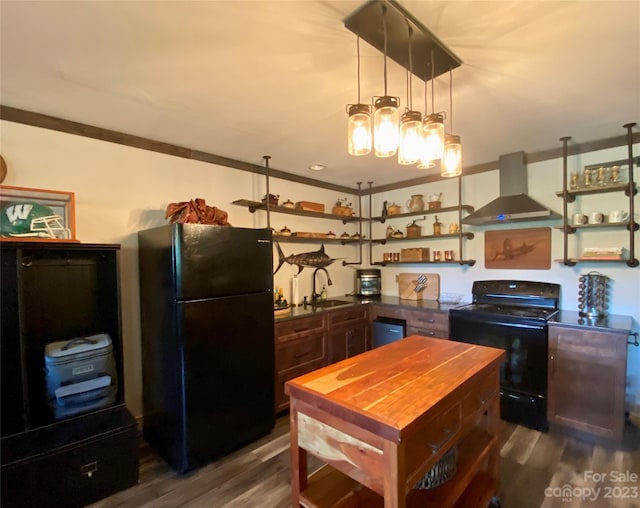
(524, 341)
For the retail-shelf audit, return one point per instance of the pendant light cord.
(410, 90)
(358, 52)
(450, 100)
(433, 70)
(384, 29)
(426, 100)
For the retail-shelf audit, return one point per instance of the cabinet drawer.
(480, 394)
(347, 316)
(291, 329)
(295, 353)
(431, 439)
(82, 474)
(388, 311)
(438, 334)
(428, 320)
(588, 342)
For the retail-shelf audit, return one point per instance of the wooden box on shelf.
(414, 254)
(310, 206)
(55, 217)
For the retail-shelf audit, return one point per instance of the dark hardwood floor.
(537, 470)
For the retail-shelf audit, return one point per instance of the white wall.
(120, 190)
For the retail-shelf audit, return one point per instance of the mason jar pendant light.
(432, 129)
(359, 122)
(452, 160)
(433, 141)
(410, 122)
(386, 118)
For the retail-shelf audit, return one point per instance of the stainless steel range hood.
(513, 205)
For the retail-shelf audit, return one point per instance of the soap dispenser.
(323, 294)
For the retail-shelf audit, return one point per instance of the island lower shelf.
(329, 487)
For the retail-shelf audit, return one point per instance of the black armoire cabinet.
(56, 292)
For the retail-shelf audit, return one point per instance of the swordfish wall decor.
(518, 248)
(314, 259)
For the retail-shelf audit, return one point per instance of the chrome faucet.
(314, 295)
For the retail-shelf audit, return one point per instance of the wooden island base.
(381, 420)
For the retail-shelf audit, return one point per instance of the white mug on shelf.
(616, 216)
(579, 219)
(596, 218)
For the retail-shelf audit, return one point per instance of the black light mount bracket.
(367, 22)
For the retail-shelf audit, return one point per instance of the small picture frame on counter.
(36, 215)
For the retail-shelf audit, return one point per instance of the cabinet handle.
(300, 355)
(88, 469)
(553, 365)
(298, 330)
(447, 435)
(427, 320)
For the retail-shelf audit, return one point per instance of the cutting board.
(419, 286)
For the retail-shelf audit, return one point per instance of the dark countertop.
(611, 322)
(569, 318)
(299, 312)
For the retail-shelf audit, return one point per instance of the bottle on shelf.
(437, 227)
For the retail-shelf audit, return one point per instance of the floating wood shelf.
(435, 211)
(424, 237)
(469, 262)
(258, 205)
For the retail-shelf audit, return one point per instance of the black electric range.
(513, 315)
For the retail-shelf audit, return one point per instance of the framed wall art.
(36, 215)
(518, 248)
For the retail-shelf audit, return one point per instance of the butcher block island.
(382, 419)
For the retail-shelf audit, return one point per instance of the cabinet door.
(348, 341)
(358, 340)
(587, 381)
(338, 344)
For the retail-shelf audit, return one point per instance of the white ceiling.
(242, 79)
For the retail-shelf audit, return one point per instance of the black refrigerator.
(206, 306)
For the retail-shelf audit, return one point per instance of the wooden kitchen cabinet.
(348, 333)
(426, 322)
(301, 346)
(587, 374)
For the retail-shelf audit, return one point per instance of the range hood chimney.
(513, 205)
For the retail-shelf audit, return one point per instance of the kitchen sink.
(330, 303)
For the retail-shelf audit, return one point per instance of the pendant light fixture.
(359, 122)
(452, 160)
(432, 129)
(410, 122)
(384, 25)
(386, 118)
